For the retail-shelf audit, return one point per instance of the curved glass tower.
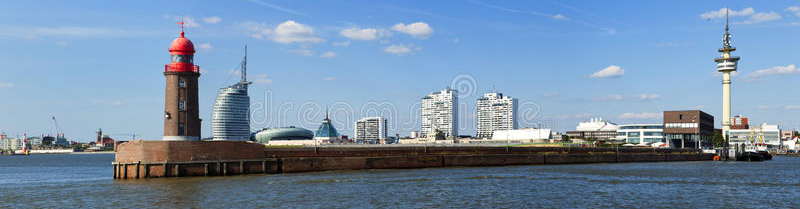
(231, 117)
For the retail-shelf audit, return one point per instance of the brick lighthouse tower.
(181, 113)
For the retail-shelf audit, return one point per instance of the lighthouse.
(181, 112)
(726, 64)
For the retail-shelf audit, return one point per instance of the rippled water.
(70, 181)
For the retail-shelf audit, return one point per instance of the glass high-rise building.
(231, 117)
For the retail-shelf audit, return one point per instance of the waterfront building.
(11, 144)
(326, 133)
(787, 135)
(370, 130)
(595, 129)
(763, 134)
(440, 112)
(230, 119)
(688, 128)
(496, 112)
(739, 122)
(285, 136)
(104, 140)
(726, 64)
(641, 134)
(525, 135)
(181, 113)
(414, 134)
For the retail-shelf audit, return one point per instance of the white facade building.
(764, 134)
(596, 124)
(440, 111)
(230, 119)
(496, 112)
(641, 134)
(527, 135)
(371, 129)
(10, 144)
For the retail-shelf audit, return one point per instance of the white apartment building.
(371, 129)
(496, 112)
(440, 111)
(641, 134)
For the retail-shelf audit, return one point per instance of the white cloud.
(304, 52)
(188, 21)
(328, 55)
(418, 30)
(328, 79)
(794, 9)
(647, 97)
(764, 107)
(761, 17)
(550, 94)
(560, 17)
(285, 33)
(400, 50)
(205, 46)
(293, 32)
(608, 98)
(610, 71)
(777, 70)
(455, 40)
(212, 20)
(791, 107)
(643, 115)
(366, 34)
(733, 13)
(63, 43)
(7, 85)
(344, 44)
(261, 79)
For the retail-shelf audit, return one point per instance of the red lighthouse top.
(182, 51)
(181, 45)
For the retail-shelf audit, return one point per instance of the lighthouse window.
(182, 58)
(181, 129)
(182, 105)
(182, 83)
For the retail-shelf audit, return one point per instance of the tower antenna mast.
(244, 65)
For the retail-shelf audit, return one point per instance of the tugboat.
(749, 156)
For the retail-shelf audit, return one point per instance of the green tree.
(718, 140)
(566, 139)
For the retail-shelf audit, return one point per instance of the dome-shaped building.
(285, 136)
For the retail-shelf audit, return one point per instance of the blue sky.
(95, 64)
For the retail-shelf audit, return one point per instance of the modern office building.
(371, 130)
(688, 128)
(763, 134)
(496, 112)
(739, 122)
(326, 133)
(641, 134)
(594, 129)
(786, 135)
(440, 112)
(230, 119)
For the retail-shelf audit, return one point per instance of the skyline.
(605, 62)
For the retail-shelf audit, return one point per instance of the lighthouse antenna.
(181, 23)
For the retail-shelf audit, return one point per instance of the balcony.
(180, 67)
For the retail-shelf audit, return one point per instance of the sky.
(95, 64)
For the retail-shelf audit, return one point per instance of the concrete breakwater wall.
(155, 159)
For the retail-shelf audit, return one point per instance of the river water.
(85, 181)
